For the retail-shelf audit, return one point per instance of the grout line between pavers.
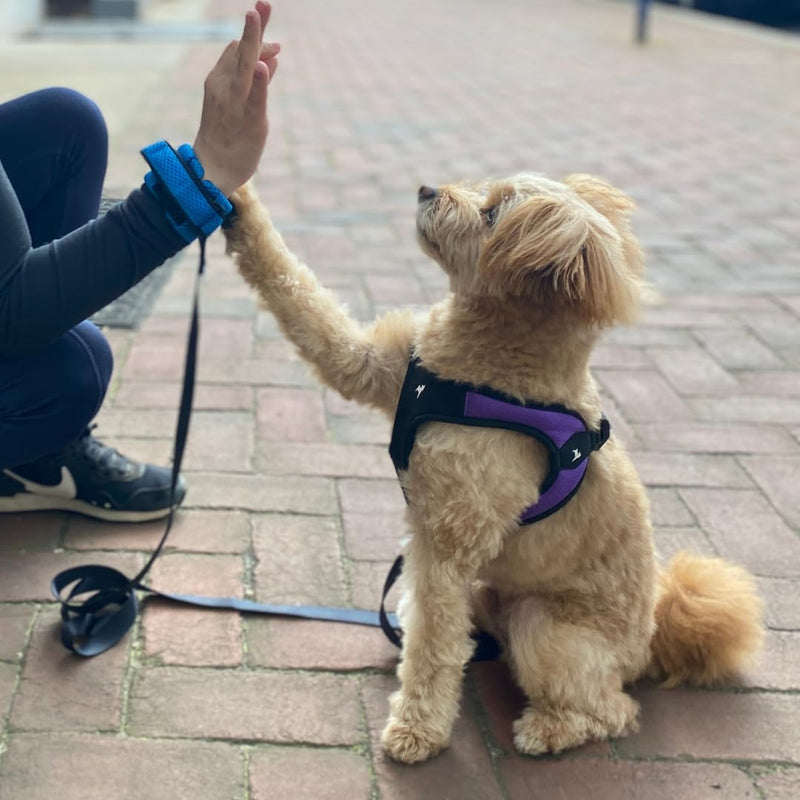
(496, 753)
(5, 721)
(134, 662)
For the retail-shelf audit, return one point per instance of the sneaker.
(90, 478)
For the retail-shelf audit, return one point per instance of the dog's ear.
(559, 250)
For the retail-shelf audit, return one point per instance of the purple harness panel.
(558, 426)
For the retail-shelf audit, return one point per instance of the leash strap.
(99, 604)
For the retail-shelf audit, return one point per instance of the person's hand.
(233, 126)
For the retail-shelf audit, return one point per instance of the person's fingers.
(269, 50)
(249, 49)
(272, 66)
(257, 98)
(264, 11)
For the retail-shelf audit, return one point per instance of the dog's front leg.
(436, 647)
(363, 363)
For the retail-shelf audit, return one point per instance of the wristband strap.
(194, 207)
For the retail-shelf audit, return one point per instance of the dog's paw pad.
(409, 744)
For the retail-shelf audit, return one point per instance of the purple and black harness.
(425, 397)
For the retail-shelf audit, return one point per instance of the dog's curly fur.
(537, 268)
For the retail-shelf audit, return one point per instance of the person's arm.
(45, 291)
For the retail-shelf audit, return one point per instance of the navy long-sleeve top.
(45, 291)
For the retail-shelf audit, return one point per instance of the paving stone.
(624, 780)
(247, 706)
(298, 560)
(374, 537)
(667, 509)
(780, 783)
(715, 725)
(743, 527)
(779, 664)
(220, 440)
(296, 495)
(698, 437)
(192, 531)
(15, 620)
(670, 541)
(747, 408)
(327, 459)
(367, 579)
(198, 573)
(290, 415)
(371, 497)
(29, 532)
(643, 395)
(63, 692)
(177, 635)
(462, 770)
(775, 384)
(689, 469)
(738, 349)
(317, 645)
(40, 767)
(207, 397)
(693, 371)
(778, 478)
(780, 595)
(608, 356)
(279, 773)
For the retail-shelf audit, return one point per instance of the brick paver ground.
(291, 490)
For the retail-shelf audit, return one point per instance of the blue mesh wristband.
(194, 207)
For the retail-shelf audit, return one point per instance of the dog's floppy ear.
(559, 250)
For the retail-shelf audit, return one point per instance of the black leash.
(102, 605)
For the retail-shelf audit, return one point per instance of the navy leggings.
(54, 148)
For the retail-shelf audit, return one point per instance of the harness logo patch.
(419, 390)
(576, 454)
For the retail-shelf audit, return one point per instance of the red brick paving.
(291, 494)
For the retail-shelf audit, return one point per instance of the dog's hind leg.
(366, 364)
(571, 676)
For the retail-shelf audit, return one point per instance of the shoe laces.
(105, 461)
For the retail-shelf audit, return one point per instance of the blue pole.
(642, 16)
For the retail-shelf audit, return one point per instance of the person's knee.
(78, 111)
(86, 372)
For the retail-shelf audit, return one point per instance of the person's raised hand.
(234, 125)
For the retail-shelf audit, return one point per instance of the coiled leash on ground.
(99, 604)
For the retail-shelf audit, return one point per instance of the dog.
(537, 270)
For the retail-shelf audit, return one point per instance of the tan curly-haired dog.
(537, 268)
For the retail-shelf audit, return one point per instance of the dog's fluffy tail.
(708, 622)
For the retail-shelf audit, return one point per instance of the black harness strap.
(99, 604)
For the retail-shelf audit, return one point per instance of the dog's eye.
(490, 215)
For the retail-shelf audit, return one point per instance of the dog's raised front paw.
(410, 743)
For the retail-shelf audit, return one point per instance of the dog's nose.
(426, 193)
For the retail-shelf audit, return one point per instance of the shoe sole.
(19, 503)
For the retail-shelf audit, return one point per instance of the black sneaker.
(90, 478)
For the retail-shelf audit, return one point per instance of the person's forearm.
(47, 290)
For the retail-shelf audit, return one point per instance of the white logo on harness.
(419, 390)
(577, 454)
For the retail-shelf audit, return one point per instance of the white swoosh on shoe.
(65, 488)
